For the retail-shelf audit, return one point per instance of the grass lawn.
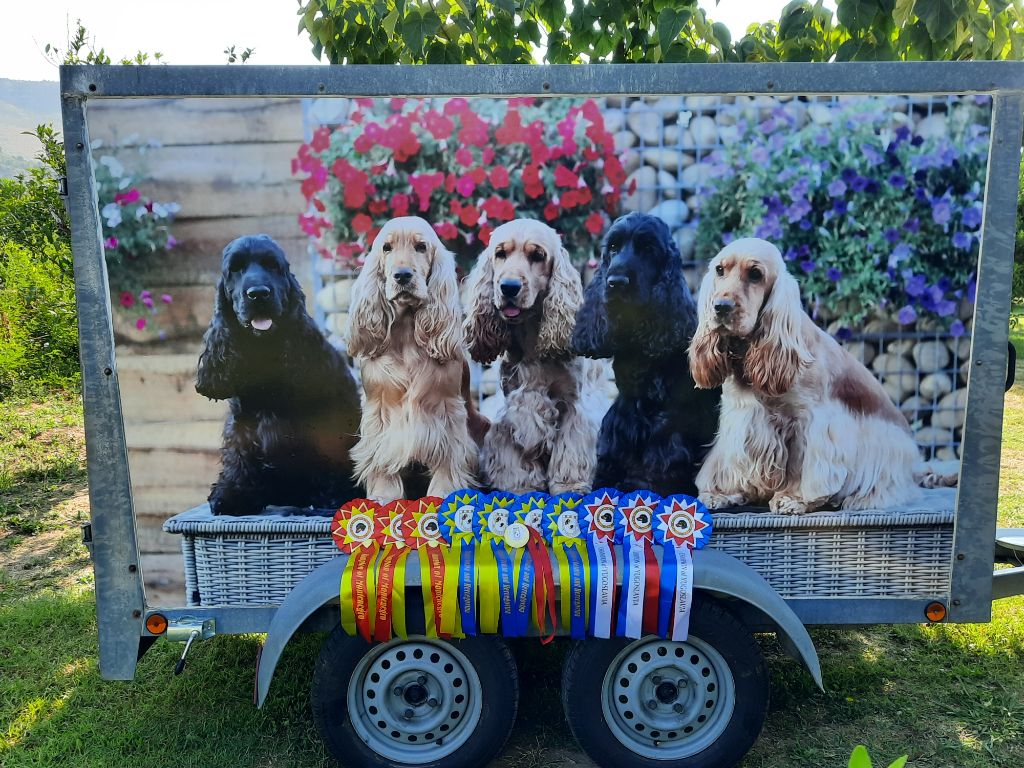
(947, 695)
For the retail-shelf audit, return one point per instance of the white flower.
(113, 165)
(112, 213)
(140, 213)
(125, 182)
(96, 143)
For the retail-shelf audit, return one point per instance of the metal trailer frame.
(120, 598)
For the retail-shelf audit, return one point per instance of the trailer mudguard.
(713, 572)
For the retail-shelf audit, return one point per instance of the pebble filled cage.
(667, 145)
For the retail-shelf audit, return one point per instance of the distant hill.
(24, 104)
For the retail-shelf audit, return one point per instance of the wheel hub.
(668, 700)
(414, 700)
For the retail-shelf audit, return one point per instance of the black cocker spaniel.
(294, 404)
(639, 311)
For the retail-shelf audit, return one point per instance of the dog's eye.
(537, 256)
(386, 247)
(754, 275)
(421, 247)
(719, 270)
(499, 253)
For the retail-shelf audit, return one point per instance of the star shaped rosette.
(390, 522)
(355, 525)
(599, 511)
(459, 515)
(563, 517)
(635, 519)
(530, 509)
(496, 512)
(683, 521)
(421, 525)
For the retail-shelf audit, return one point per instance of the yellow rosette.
(354, 530)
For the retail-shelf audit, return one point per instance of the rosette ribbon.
(683, 524)
(638, 604)
(422, 529)
(538, 574)
(389, 617)
(460, 526)
(354, 530)
(570, 551)
(600, 509)
(495, 564)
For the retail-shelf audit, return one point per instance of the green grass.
(950, 696)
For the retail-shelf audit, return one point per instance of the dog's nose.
(724, 307)
(617, 281)
(258, 292)
(510, 288)
(403, 275)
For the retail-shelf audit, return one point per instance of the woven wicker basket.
(902, 553)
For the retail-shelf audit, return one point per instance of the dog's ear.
(487, 333)
(370, 313)
(778, 349)
(708, 352)
(216, 374)
(671, 315)
(590, 334)
(558, 314)
(438, 324)
(296, 296)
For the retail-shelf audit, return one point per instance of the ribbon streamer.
(390, 613)
(600, 508)
(570, 551)
(495, 567)
(638, 605)
(530, 511)
(422, 529)
(458, 520)
(354, 530)
(683, 524)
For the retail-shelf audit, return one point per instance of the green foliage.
(242, 56)
(81, 49)
(861, 759)
(525, 31)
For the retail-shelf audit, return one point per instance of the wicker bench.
(896, 553)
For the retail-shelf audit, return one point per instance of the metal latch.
(187, 630)
(62, 186)
(87, 536)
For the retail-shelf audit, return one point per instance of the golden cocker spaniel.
(803, 424)
(405, 328)
(523, 296)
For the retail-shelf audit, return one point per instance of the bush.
(38, 328)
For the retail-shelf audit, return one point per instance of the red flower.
(465, 186)
(474, 130)
(363, 143)
(464, 157)
(511, 131)
(365, 103)
(440, 127)
(377, 207)
(348, 250)
(140, 323)
(127, 300)
(397, 104)
(456, 106)
(319, 204)
(488, 156)
(484, 234)
(400, 204)
(594, 223)
(424, 184)
(313, 225)
(550, 211)
(469, 215)
(531, 181)
(446, 230)
(499, 177)
(614, 171)
(565, 178)
(124, 198)
(499, 209)
(321, 139)
(569, 200)
(316, 181)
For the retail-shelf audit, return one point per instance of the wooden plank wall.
(227, 162)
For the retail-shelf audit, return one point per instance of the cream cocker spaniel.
(803, 424)
(523, 296)
(405, 328)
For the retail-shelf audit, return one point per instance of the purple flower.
(898, 180)
(760, 155)
(768, 125)
(917, 141)
(171, 242)
(900, 253)
(822, 139)
(972, 217)
(774, 205)
(941, 211)
(842, 334)
(892, 235)
(912, 224)
(945, 308)
(806, 225)
(834, 274)
(839, 206)
(859, 184)
(907, 315)
(808, 266)
(902, 133)
(956, 329)
(110, 243)
(872, 155)
(915, 285)
(872, 187)
(962, 240)
(972, 290)
(728, 237)
(837, 188)
(848, 175)
(920, 177)
(921, 194)
(166, 298)
(800, 208)
(790, 253)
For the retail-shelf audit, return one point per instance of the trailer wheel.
(661, 704)
(415, 702)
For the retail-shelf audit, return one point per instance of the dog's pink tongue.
(511, 311)
(262, 323)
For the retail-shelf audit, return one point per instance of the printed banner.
(600, 510)
(495, 565)
(422, 529)
(638, 605)
(390, 613)
(683, 524)
(354, 530)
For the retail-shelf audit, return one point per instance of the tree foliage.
(550, 31)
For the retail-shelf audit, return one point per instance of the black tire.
(474, 702)
(716, 637)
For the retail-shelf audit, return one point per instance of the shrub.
(465, 167)
(38, 328)
(869, 215)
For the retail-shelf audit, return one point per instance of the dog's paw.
(722, 500)
(783, 504)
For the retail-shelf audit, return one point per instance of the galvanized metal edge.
(975, 524)
(120, 600)
(509, 80)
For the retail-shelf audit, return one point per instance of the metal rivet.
(652, 704)
(321, 87)
(107, 371)
(770, 84)
(545, 86)
(136, 614)
(133, 568)
(92, 87)
(960, 556)
(956, 602)
(432, 702)
(422, 679)
(678, 708)
(656, 679)
(407, 714)
(79, 145)
(398, 690)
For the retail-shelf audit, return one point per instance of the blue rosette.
(461, 527)
(638, 604)
(682, 525)
(496, 577)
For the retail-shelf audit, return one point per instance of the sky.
(198, 31)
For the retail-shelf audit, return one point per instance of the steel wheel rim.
(414, 701)
(652, 713)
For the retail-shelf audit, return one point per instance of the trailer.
(425, 700)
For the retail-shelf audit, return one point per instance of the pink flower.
(424, 184)
(565, 178)
(147, 299)
(127, 300)
(594, 223)
(171, 241)
(499, 177)
(400, 204)
(131, 196)
(110, 243)
(464, 157)
(446, 230)
(361, 223)
(140, 323)
(166, 298)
